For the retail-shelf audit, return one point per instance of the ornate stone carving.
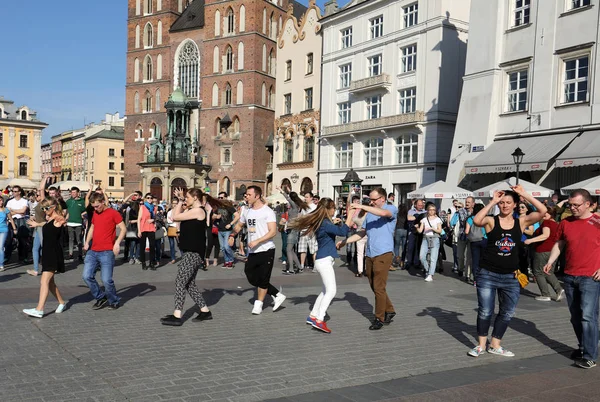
(365, 125)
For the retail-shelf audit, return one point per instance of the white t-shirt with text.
(256, 220)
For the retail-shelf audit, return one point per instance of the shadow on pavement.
(138, 290)
(10, 277)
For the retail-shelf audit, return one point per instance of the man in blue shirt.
(379, 226)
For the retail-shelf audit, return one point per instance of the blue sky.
(66, 59)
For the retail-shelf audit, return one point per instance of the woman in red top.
(544, 238)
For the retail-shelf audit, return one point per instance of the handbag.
(160, 233)
(131, 233)
(172, 231)
(522, 278)
(215, 230)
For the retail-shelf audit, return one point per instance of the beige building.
(46, 159)
(20, 142)
(297, 104)
(105, 162)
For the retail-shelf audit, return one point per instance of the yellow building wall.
(29, 154)
(97, 164)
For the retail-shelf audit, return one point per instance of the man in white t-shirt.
(18, 208)
(262, 227)
(307, 243)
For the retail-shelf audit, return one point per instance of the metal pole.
(518, 173)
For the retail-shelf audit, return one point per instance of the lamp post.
(518, 159)
(350, 182)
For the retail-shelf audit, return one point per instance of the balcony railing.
(373, 124)
(367, 84)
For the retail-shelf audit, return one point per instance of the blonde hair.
(51, 202)
(312, 221)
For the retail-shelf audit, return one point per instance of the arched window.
(148, 67)
(236, 125)
(264, 58)
(272, 64)
(271, 26)
(229, 59)
(227, 156)
(242, 18)
(230, 21)
(137, 36)
(148, 36)
(159, 33)
(147, 6)
(306, 186)
(263, 95)
(156, 187)
(271, 97)
(136, 70)
(148, 102)
(216, 57)
(264, 20)
(309, 148)
(288, 150)
(239, 93)
(157, 100)
(217, 23)
(23, 115)
(228, 94)
(136, 103)
(187, 69)
(240, 56)
(215, 95)
(227, 185)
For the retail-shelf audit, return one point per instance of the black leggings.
(258, 270)
(152, 241)
(212, 241)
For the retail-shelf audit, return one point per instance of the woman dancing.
(192, 243)
(321, 224)
(53, 259)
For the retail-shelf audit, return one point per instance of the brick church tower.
(221, 55)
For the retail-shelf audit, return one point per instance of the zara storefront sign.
(370, 177)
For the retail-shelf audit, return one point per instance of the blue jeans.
(134, 249)
(284, 237)
(223, 241)
(476, 252)
(434, 252)
(582, 297)
(172, 247)
(3, 237)
(399, 242)
(106, 260)
(509, 291)
(37, 248)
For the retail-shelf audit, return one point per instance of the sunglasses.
(148, 198)
(220, 198)
(47, 208)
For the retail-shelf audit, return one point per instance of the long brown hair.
(298, 201)
(312, 221)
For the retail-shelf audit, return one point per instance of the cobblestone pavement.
(127, 355)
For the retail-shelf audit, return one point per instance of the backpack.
(475, 234)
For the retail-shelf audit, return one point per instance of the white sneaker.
(32, 312)
(429, 278)
(280, 298)
(61, 308)
(257, 307)
(542, 298)
(560, 295)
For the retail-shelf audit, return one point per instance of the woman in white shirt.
(431, 227)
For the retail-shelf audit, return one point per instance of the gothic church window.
(187, 69)
(242, 18)
(230, 21)
(148, 67)
(148, 36)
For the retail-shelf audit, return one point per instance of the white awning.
(592, 185)
(439, 190)
(539, 151)
(585, 150)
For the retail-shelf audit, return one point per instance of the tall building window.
(148, 73)
(375, 65)
(308, 98)
(111, 181)
(344, 113)
(22, 168)
(1, 139)
(343, 155)
(376, 26)
(522, 10)
(227, 156)
(578, 4)
(411, 15)
(136, 103)
(288, 70)
(148, 36)
(111, 152)
(111, 166)
(374, 152)
(148, 6)
(374, 107)
(309, 148)
(157, 101)
(346, 35)
(309, 63)
(230, 21)
(517, 90)
(409, 58)
(287, 101)
(288, 150)
(576, 79)
(187, 69)
(228, 95)
(23, 141)
(408, 100)
(407, 149)
(345, 75)
(148, 102)
(229, 59)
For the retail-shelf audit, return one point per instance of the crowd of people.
(492, 244)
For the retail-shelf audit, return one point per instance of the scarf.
(150, 208)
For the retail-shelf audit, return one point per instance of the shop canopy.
(538, 150)
(533, 189)
(23, 183)
(592, 185)
(67, 185)
(585, 150)
(439, 190)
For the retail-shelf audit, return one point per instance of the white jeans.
(324, 266)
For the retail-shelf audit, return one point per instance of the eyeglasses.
(522, 207)
(16, 191)
(576, 206)
(375, 199)
(148, 198)
(220, 198)
(47, 208)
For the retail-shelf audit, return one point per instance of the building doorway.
(156, 187)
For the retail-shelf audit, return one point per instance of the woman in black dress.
(192, 243)
(52, 256)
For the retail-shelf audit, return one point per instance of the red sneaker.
(321, 326)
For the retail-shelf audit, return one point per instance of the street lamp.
(518, 159)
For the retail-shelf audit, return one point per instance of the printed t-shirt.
(14, 204)
(427, 228)
(582, 238)
(256, 220)
(546, 245)
(105, 223)
(75, 207)
(380, 230)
